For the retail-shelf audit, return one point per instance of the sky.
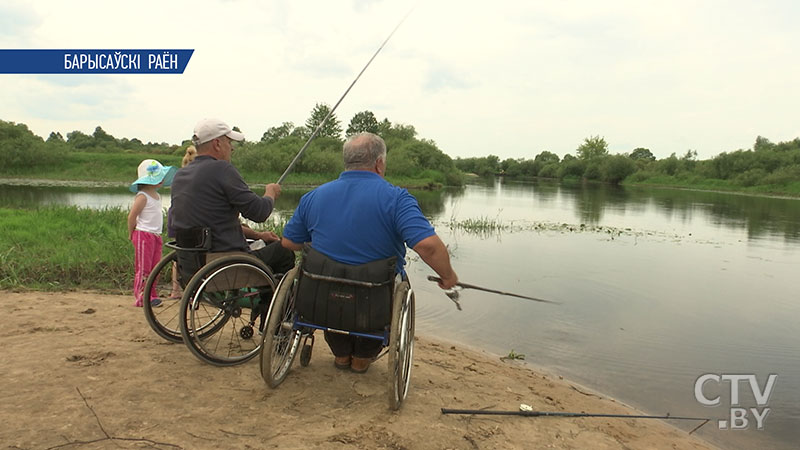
(508, 78)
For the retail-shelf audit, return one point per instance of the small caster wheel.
(305, 355)
(246, 332)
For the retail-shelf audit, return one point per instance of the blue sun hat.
(151, 171)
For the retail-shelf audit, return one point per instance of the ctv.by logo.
(738, 415)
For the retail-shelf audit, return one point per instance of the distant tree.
(301, 132)
(669, 165)
(384, 126)
(21, 149)
(546, 157)
(363, 121)
(79, 140)
(401, 132)
(331, 128)
(274, 134)
(101, 138)
(616, 168)
(762, 144)
(593, 147)
(642, 154)
(511, 167)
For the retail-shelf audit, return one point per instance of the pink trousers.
(147, 253)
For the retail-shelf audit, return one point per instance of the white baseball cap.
(209, 129)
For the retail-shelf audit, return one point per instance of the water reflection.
(670, 210)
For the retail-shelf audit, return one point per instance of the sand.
(84, 370)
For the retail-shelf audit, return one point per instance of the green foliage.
(592, 148)
(20, 149)
(549, 171)
(102, 157)
(274, 134)
(92, 251)
(363, 121)
(512, 355)
(592, 170)
(642, 154)
(616, 168)
(485, 166)
(571, 168)
(331, 128)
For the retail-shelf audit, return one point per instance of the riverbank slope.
(85, 368)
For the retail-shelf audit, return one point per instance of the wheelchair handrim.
(198, 337)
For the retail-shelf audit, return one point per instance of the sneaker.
(155, 302)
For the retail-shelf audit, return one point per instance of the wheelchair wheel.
(401, 344)
(222, 303)
(164, 320)
(281, 342)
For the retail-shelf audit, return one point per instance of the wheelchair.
(367, 300)
(225, 295)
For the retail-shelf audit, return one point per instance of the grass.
(791, 189)
(479, 226)
(57, 248)
(512, 355)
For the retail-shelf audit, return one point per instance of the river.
(657, 287)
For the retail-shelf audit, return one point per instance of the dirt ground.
(84, 370)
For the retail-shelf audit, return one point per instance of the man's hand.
(268, 236)
(433, 251)
(273, 190)
(449, 282)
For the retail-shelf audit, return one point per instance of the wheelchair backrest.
(192, 245)
(343, 296)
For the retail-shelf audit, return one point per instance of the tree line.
(766, 164)
(410, 156)
(775, 166)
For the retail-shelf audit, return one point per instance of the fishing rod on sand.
(330, 113)
(527, 411)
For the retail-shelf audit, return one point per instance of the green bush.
(21, 149)
(751, 177)
(616, 168)
(549, 171)
(592, 171)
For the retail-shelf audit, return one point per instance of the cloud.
(439, 78)
(17, 22)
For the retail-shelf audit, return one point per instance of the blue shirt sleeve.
(411, 223)
(296, 230)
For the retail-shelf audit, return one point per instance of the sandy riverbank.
(81, 368)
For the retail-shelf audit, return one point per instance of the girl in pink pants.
(145, 223)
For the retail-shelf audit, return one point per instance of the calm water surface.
(685, 283)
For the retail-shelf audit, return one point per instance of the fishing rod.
(527, 411)
(330, 113)
(493, 291)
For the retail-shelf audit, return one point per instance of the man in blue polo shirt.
(359, 218)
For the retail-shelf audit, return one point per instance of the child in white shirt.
(145, 223)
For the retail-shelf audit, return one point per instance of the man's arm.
(266, 236)
(293, 246)
(433, 251)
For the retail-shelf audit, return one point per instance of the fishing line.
(321, 124)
